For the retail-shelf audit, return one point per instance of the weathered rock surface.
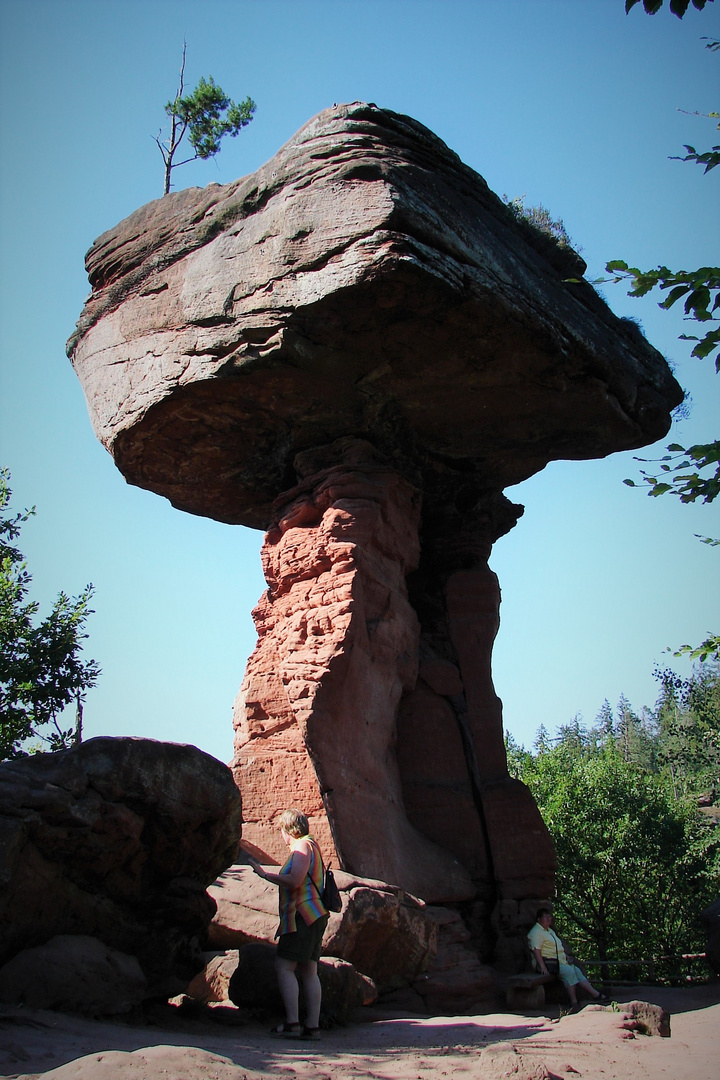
(116, 840)
(212, 983)
(651, 1019)
(74, 973)
(178, 1062)
(246, 909)
(337, 648)
(364, 707)
(382, 931)
(254, 984)
(356, 349)
(455, 979)
(364, 281)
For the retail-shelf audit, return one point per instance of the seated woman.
(549, 953)
(303, 918)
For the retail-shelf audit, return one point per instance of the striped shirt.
(306, 899)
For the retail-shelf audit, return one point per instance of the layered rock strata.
(356, 349)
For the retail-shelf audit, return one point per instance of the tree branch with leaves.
(678, 7)
(691, 472)
(41, 670)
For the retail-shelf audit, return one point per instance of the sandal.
(310, 1033)
(287, 1031)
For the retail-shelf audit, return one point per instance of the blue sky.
(570, 103)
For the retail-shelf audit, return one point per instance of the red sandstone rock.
(117, 840)
(363, 282)
(337, 647)
(212, 983)
(455, 979)
(382, 931)
(74, 973)
(253, 984)
(364, 316)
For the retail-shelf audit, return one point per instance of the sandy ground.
(595, 1044)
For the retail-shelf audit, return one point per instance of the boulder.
(116, 840)
(212, 983)
(364, 281)
(74, 973)
(254, 985)
(649, 1019)
(179, 1062)
(382, 931)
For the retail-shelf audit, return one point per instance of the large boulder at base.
(253, 984)
(403, 945)
(246, 909)
(117, 839)
(382, 931)
(74, 973)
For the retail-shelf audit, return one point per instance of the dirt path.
(594, 1044)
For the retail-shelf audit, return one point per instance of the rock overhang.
(363, 282)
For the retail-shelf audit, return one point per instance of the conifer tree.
(206, 115)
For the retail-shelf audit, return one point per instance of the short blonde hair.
(294, 823)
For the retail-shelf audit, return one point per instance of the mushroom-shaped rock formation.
(356, 349)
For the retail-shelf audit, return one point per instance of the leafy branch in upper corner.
(678, 7)
(207, 115)
(681, 470)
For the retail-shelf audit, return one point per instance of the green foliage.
(201, 113)
(678, 7)
(40, 667)
(632, 861)
(206, 115)
(707, 649)
(687, 715)
(539, 219)
(681, 472)
(708, 158)
(701, 289)
(637, 858)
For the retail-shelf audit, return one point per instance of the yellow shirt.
(547, 942)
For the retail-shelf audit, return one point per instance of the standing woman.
(303, 918)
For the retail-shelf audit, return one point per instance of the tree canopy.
(632, 806)
(41, 670)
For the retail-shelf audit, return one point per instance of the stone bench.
(527, 990)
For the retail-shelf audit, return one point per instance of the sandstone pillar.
(375, 710)
(337, 650)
